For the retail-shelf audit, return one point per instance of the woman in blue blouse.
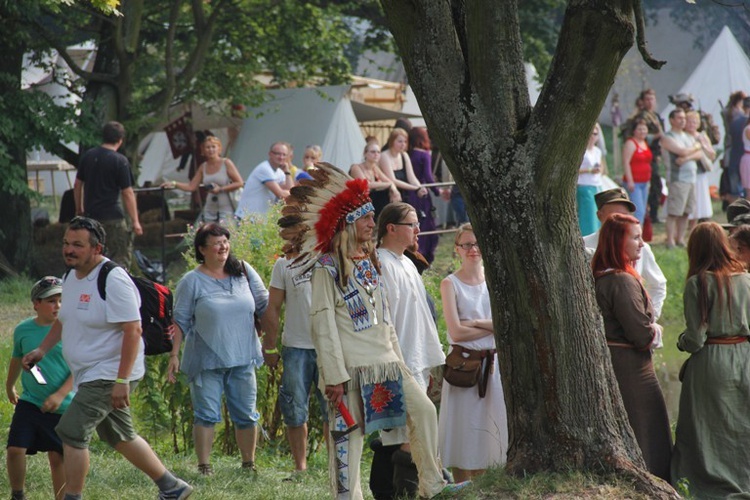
(214, 312)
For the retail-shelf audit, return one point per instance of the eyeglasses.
(89, 225)
(218, 244)
(413, 225)
(468, 246)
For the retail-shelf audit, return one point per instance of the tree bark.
(16, 237)
(516, 167)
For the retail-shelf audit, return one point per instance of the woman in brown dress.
(631, 335)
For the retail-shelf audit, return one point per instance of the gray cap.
(738, 214)
(46, 287)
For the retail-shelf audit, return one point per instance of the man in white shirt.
(616, 201)
(268, 183)
(398, 229)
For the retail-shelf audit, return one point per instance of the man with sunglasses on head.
(102, 344)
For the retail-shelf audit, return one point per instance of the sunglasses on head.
(90, 225)
(49, 283)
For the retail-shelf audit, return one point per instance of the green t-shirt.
(26, 337)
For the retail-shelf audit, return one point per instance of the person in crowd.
(313, 154)
(43, 400)
(358, 351)
(104, 176)
(421, 160)
(683, 151)
(703, 209)
(745, 158)
(473, 430)
(636, 165)
(616, 201)
(632, 332)
(396, 165)
(215, 308)
(737, 133)
(101, 342)
(740, 241)
(220, 177)
(589, 183)
(729, 186)
(647, 111)
(713, 431)
(300, 376)
(382, 189)
(397, 231)
(269, 182)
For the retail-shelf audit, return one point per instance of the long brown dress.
(628, 315)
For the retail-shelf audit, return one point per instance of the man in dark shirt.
(103, 175)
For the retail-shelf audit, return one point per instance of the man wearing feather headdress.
(331, 220)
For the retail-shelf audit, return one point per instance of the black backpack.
(156, 309)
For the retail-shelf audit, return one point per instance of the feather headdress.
(319, 208)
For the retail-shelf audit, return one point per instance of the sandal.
(249, 465)
(205, 469)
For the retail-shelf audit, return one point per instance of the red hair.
(610, 252)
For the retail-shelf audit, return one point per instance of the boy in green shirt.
(44, 398)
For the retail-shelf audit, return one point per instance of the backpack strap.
(101, 280)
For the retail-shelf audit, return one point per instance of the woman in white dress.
(703, 209)
(473, 431)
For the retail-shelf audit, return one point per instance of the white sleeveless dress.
(473, 431)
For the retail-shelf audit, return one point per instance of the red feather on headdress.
(333, 214)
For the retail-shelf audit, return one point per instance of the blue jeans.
(299, 377)
(239, 386)
(459, 206)
(639, 197)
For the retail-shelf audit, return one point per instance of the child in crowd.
(47, 392)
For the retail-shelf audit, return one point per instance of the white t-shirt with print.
(91, 331)
(298, 294)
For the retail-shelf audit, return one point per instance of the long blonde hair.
(344, 246)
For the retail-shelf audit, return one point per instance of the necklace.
(367, 276)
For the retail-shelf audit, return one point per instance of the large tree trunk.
(516, 168)
(16, 231)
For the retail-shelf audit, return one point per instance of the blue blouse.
(216, 317)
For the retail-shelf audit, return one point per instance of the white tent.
(302, 117)
(724, 69)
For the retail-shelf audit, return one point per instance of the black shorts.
(34, 430)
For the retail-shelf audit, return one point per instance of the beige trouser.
(400, 435)
(421, 421)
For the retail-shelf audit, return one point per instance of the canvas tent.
(325, 116)
(303, 116)
(725, 68)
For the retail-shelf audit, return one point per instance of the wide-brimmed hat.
(46, 287)
(738, 214)
(615, 195)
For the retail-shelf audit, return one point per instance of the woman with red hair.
(632, 333)
(713, 430)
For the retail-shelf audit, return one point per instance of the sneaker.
(451, 490)
(180, 492)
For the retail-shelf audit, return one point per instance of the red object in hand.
(345, 414)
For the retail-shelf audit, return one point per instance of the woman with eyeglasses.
(711, 449)
(472, 429)
(590, 182)
(215, 308)
(632, 333)
(382, 189)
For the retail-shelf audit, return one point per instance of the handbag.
(463, 366)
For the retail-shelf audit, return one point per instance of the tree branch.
(74, 67)
(641, 37)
